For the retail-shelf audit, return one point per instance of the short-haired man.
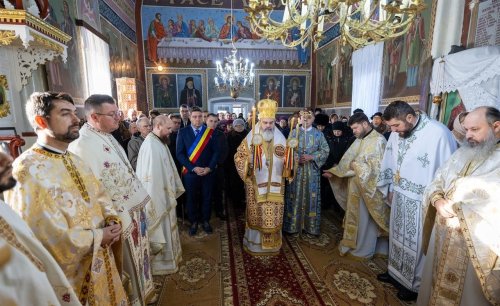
(134, 145)
(366, 222)
(153, 113)
(184, 111)
(156, 170)
(197, 151)
(65, 205)
(218, 195)
(461, 204)
(417, 147)
(110, 165)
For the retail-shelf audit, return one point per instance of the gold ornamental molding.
(47, 43)
(21, 17)
(7, 36)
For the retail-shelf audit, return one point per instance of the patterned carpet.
(216, 271)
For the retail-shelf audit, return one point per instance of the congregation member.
(65, 205)
(366, 221)
(379, 125)
(131, 116)
(417, 147)
(184, 111)
(218, 192)
(134, 145)
(110, 165)
(153, 113)
(235, 187)
(24, 261)
(172, 139)
(264, 182)
(303, 194)
(157, 172)
(198, 153)
(461, 204)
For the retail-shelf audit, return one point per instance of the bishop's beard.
(480, 151)
(268, 135)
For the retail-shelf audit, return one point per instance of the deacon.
(366, 221)
(109, 163)
(259, 161)
(303, 194)
(156, 170)
(65, 205)
(417, 147)
(23, 259)
(461, 203)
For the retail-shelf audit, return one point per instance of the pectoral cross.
(397, 177)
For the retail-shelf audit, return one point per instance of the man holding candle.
(260, 162)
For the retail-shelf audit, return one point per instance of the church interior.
(442, 57)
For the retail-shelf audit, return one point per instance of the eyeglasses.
(112, 114)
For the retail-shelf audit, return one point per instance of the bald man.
(461, 209)
(157, 172)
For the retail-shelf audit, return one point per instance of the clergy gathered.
(90, 220)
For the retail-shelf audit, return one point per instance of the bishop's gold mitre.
(267, 109)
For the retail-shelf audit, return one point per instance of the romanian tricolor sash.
(198, 145)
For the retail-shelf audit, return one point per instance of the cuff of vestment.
(115, 219)
(436, 196)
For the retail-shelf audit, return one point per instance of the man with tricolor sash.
(197, 152)
(260, 162)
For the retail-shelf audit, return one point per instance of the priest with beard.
(157, 172)
(259, 161)
(461, 219)
(235, 185)
(417, 147)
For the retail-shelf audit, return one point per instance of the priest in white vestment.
(158, 174)
(366, 221)
(109, 163)
(28, 273)
(417, 147)
(461, 211)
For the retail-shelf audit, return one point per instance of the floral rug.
(308, 271)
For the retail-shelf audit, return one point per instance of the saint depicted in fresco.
(227, 28)
(156, 32)
(165, 93)
(190, 95)
(294, 94)
(394, 50)
(212, 31)
(414, 46)
(272, 90)
(182, 28)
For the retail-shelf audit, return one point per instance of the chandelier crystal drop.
(361, 22)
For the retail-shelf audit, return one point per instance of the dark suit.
(195, 184)
(220, 172)
(183, 125)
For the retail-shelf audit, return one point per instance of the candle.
(253, 119)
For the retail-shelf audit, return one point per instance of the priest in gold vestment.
(259, 161)
(366, 222)
(462, 213)
(109, 163)
(66, 206)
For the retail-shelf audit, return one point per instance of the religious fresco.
(294, 91)
(325, 74)
(344, 74)
(167, 90)
(67, 77)
(271, 87)
(88, 11)
(404, 57)
(167, 31)
(129, 58)
(164, 91)
(115, 52)
(190, 89)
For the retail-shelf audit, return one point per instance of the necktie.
(196, 132)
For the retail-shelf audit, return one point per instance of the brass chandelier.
(361, 22)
